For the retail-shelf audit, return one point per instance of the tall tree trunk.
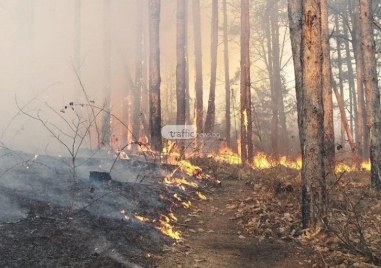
(247, 150)
(211, 112)
(181, 70)
(227, 78)
(145, 88)
(340, 66)
(187, 92)
(198, 65)
(126, 107)
(313, 189)
(154, 74)
(137, 117)
(274, 19)
(351, 82)
(329, 135)
(295, 16)
(273, 89)
(372, 90)
(361, 113)
(181, 64)
(106, 120)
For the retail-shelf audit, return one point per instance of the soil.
(212, 238)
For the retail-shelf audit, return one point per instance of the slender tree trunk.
(187, 93)
(343, 116)
(329, 134)
(198, 65)
(372, 90)
(361, 114)
(247, 150)
(295, 16)
(145, 88)
(137, 117)
(181, 78)
(181, 64)
(340, 66)
(106, 120)
(227, 78)
(211, 112)
(126, 107)
(314, 187)
(273, 86)
(351, 82)
(154, 75)
(274, 19)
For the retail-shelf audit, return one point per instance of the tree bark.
(340, 67)
(282, 138)
(361, 113)
(211, 112)
(198, 65)
(187, 93)
(272, 78)
(181, 64)
(227, 78)
(154, 74)
(351, 82)
(139, 46)
(247, 150)
(181, 79)
(372, 90)
(295, 16)
(329, 134)
(106, 120)
(314, 187)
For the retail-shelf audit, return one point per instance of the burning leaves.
(165, 225)
(167, 228)
(177, 190)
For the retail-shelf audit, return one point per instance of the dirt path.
(212, 238)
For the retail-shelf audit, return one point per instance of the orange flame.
(201, 196)
(188, 168)
(179, 182)
(142, 218)
(187, 204)
(167, 229)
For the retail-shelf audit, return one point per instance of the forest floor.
(253, 220)
(214, 238)
(250, 219)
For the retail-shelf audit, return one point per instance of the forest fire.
(179, 182)
(189, 169)
(343, 167)
(142, 218)
(263, 161)
(167, 229)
